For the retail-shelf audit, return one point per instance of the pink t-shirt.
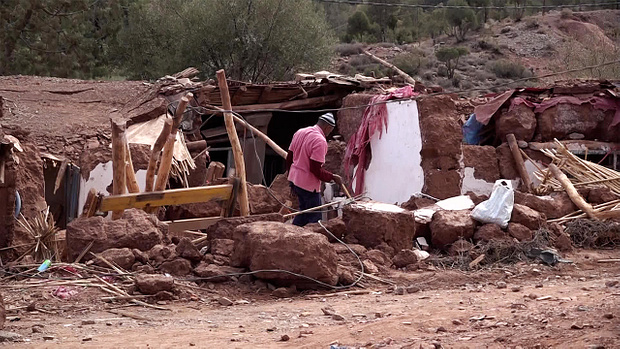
(308, 143)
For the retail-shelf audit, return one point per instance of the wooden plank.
(157, 147)
(166, 162)
(118, 163)
(91, 204)
(191, 224)
(305, 103)
(516, 154)
(244, 205)
(168, 197)
(132, 181)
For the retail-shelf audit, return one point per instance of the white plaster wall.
(395, 171)
(100, 178)
(475, 185)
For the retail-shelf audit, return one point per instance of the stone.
(565, 118)
(225, 301)
(483, 160)
(281, 189)
(460, 247)
(274, 245)
(516, 289)
(342, 249)
(448, 226)
(6, 336)
(123, 257)
(224, 228)
(346, 275)
(520, 232)
(188, 250)
(378, 258)
(282, 292)
(415, 203)
(457, 322)
(528, 217)
(136, 229)
(285, 338)
(223, 247)
(508, 169)
(215, 273)
(413, 289)
(519, 120)
(178, 266)
(335, 226)
(370, 267)
(404, 258)
(140, 256)
(193, 210)
(442, 184)
(334, 159)
(154, 283)
(338, 317)
(600, 195)
(371, 228)
(552, 206)
(261, 200)
(164, 296)
(387, 249)
(490, 232)
(501, 284)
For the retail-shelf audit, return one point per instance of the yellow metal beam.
(166, 197)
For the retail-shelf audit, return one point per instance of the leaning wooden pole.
(118, 163)
(132, 181)
(573, 194)
(516, 154)
(234, 142)
(405, 76)
(178, 115)
(165, 163)
(157, 147)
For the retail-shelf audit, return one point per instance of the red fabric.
(374, 120)
(485, 112)
(289, 160)
(517, 101)
(316, 168)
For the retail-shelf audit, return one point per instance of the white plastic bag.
(498, 209)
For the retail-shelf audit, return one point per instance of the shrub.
(509, 70)
(411, 63)
(359, 61)
(349, 49)
(566, 13)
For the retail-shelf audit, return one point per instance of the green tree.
(450, 56)
(462, 20)
(254, 40)
(435, 23)
(384, 16)
(358, 26)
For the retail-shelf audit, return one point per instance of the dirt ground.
(566, 306)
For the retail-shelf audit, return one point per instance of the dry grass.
(43, 230)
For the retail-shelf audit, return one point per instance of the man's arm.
(316, 168)
(289, 160)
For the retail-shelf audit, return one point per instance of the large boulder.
(136, 229)
(490, 232)
(519, 120)
(552, 206)
(404, 258)
(122, 257)
(274, 245)
(223, 247)
(565, 118)
(154, 283)
(530, 218)
(449, 226)
(335, 226)
(224, 228)
(520, 232)
(372, 225)
(188, 250)
(261, 200)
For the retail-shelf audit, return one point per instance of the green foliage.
(358, 25)
(384, 17)
(252, 40)
(506, 69)
(349, 49)
(450, 56)
(462, 20)
(411, 63)
(436, 23)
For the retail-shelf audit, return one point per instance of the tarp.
(485, 112)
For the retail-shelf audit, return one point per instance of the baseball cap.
(329, 119)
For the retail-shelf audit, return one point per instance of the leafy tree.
(450, 57)
(436, 23)
(462, 20)
(358, 25)
(384, 16)
(255, 40)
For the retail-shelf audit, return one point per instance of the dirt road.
(566, 306)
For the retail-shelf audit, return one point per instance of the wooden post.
(132, 181)
(577, 199)
(516, 154)
(178, 115)
(157, 147)
(405, 76)
(118, 163)
(234, 142)
(165, 163)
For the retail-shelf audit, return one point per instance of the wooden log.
(178, 114)
(91, 204)
(118, 163)
(132, 181)
(577, 199)
(61, 174)
(157, 147)
(516, 154)
(168, 197)
(196, 146)
(404, 75)
(166, 162)
(244, 205)
(306, 103)
(211, 171)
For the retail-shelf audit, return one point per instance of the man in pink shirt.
(304, 163)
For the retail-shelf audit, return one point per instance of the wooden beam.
(166, 162)
(130, 173)
(91, 204)
(264, 95)
(157, 147)
(167, 197)
(61, 174)
(244, 205)
(405, 76)
(290, 105)
(178, 115)
(118, 163)
(516, 154)
(577, 199)
(191, 224)
(238, 94)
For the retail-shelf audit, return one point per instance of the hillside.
(501, 52)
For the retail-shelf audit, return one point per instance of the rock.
(336, 226)
(442, 184)
(215, 273)
(160, 253)
(285, 338)
(6, 336)
(164, 296)
(371, 228)
(177, 266)
(449, 226)
(560, 239)
(188, 250)
(222, 247)
(225, 301)
(123, 257)
(516, 289)
(490, 232)
(501, 284)
(415, 203)
(565, 118)
(457, 322)
(370, 267)
(282, 292)
(261, 201)
(342, 249)
(136, 229)
(154, 283)
(346, 276)
(274, 245)
(520, 232)
(378, 258)
(404, 258)
(460, 247)
(483, 160)
(145, 269)
(338, 317)
(552, 206)
(334, 159)
(441, 329)
(608, 316)
(600, 195)
(281, 189)
(519, 120)
(413, 289)
(612, 283)
(225, 228)
(193, 210)
(140, 256)
(508, 169)
(400, 291)
(387, 249)
(528, 217)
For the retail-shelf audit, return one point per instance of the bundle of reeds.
(43, 230)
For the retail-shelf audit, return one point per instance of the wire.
(387, 4)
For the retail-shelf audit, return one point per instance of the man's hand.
(338, 179)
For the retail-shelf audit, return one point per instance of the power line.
(386, 4)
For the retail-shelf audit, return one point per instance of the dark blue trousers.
(307, 199)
